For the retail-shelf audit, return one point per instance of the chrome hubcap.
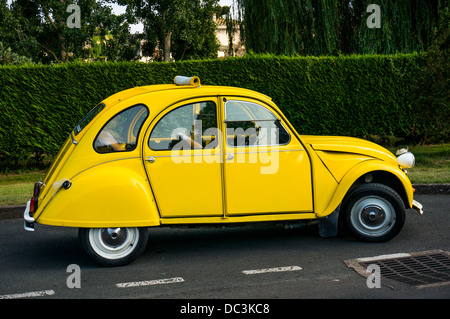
(113, 237)
(113, 243)
(373, 216)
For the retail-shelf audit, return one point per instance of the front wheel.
(374, 212)
(113, 246)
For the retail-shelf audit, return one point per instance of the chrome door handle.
(150, 159)
(230, 156)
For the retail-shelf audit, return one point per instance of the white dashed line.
(150, 282)
(173, 280)
(276, 269)
(29, 294)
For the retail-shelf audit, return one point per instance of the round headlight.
(406, 160)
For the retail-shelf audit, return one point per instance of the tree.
(290, 26)
(40, 30)
(9, 57)
(14, 26)
(181, 27)
(406, 26)
(194, 36)
(324, 27)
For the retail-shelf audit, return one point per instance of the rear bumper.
(28, 219)
(417, 207)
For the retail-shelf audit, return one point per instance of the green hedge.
(374, 97)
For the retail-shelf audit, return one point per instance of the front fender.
(112, 194)
(361, 169)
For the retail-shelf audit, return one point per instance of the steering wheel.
(193, 144)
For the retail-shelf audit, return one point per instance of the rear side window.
(88, 118)
(122, 131)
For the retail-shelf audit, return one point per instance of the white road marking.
(150, 282)
(375, 258)
(276, 269)
(29, 294)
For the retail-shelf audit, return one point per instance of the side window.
(121, 132)
(191, 126)
(250, 124)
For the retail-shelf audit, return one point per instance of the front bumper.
(417, 207)
(28, 219)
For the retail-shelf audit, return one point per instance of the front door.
(183, 160)
(266, 170)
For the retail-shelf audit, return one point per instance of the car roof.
(186, 89)
(176, 92)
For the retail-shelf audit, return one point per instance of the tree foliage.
(324, 27)
(183, 28)
(195, 36)
(9, 57)
(38, 29)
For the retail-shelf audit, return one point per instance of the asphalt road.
(199, 264)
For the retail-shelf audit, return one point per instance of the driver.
(106, 139)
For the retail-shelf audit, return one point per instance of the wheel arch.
(382, 177)
(376, 172)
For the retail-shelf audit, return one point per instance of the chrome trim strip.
(252, 152)
(106, 162)
(268, 151)
(73, 139)
(181, 155)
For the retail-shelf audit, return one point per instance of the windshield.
(88, 118)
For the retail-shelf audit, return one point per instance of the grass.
(432, 166)
(16, 189)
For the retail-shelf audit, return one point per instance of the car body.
(190, 154)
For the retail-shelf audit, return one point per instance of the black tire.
(374, 212)
(112, 247)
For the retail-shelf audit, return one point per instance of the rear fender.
(113, 194)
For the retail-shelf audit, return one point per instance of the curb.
(12, 212)
(432, 189)
(15, 212)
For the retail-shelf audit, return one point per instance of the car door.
(183, 160)
(266, 168)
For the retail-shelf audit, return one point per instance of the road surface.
(198, 266)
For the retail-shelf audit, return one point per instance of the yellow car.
(190, 154)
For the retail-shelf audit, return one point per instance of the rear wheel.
(374, 212)
(113, 246)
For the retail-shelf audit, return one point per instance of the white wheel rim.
(373, 216)
(113, 243)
